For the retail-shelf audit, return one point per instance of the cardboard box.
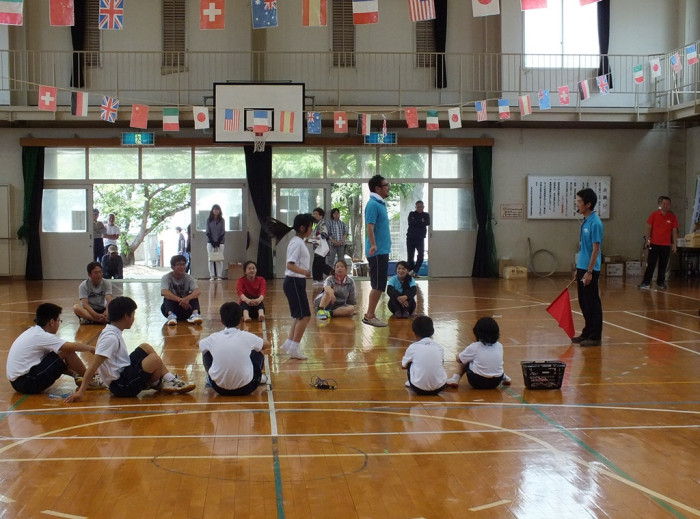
(615, 270)
(613, 258)
(502, 264)
(633, 269)
(692, 239)
(515, 272)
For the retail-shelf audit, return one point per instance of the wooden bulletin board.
(554, 197)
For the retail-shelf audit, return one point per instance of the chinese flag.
(533, 4)
(560, 309)
(139, 116)
(61, 12)
(411, 117)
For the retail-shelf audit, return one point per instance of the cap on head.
(112, 248)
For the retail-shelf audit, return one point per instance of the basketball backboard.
(241, 108)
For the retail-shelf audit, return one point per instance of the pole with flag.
(560, 309)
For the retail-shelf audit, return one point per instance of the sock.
(285, 345)
(168, 377)
(293, 345)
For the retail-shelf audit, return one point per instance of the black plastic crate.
(547, 374)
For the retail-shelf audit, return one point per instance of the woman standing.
(216, 232)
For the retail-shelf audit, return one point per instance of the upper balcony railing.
(383, 80)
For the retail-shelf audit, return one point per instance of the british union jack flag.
(111, 14)
(109, 109)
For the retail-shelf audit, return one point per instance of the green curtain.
(485, 258)
(33, 172)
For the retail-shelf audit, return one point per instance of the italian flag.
(11, 12)
(171, 119)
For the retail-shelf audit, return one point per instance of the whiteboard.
(554, 197)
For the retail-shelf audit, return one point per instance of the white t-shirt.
(297, 253)
(111, 229)
(427, 359)
(111, 344)
(230, 349)
(28, 350)
(487, 361)
(96, 295)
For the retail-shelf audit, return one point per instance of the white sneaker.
(211, 278)
(506, 380)
(453, 381)
(295, 353)
(264, 379)
(317, 284)
(285, 346)
(176, 385)
(172, 319)
(195, 318)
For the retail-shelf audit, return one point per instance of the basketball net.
(259, 139)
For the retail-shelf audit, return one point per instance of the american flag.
(111, 15)
(481, 113)
(420, 10)
(232, 118)
(109, 109)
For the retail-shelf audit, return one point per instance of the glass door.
(452, 231)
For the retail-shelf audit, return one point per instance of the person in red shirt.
(661, 238)
(251, 291)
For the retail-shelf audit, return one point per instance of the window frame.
(93, 35)
(342, 34)
(426, 48)
(174, 36)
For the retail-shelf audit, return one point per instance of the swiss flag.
(61, 12)
(211, 14)
(533, 4)
(139, 116)
(47, 98)
(340, 122)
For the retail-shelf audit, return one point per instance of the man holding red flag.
(588, 269)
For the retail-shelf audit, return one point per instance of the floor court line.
(696, 332)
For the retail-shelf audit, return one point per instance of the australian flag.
(313, 123)
(111, 15)
(264, 13)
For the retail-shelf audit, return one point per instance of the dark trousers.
(394, 305)
(591, 307)
(661, 254)
(98, 248)
(320, 269)
(413, 245)
(256, 358)
(182, 314)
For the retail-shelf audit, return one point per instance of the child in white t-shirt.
(482, 361)
(423, 360)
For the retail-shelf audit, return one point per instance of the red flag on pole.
(560, 309)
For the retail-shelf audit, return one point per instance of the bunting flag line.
(526, 5)
(432, 122)
(384, 130)
(676, 64)
(264, 13)
(212, 14)
(583, 90)
(11, 12)
(47, 98)
(421, 10)
(525, 105)
(655, 67)
(485, 8)
(364, 124)
(313, 123)
(691, 54)
(109, 109)
(79, 104)
(564, 98)
(232, 119)
(503, 109)
(560, 309)
(638, 74)
(200, 114)
(365, 11)
(171, 119)
(340, 122)
(111, 15)
(411, 117)
(61, 13)
(455, 117)
(481, 113)
(586, 2)
(286, 121)
(602, 82)
(314, 13)
(139, 116)
(544, 101)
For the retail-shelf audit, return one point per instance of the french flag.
(365, 11)
(260, 123)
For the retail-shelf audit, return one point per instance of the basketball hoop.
(259, 139)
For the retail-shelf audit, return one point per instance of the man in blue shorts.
(377, 245)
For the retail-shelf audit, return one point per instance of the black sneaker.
(578, 340)
(644, 286)
(662, 286)
(591, 342)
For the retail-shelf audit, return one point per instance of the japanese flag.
(485, 8)
(655, 66)
(455, 118)
(201, 117)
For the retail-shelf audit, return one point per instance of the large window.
(425, 44)
(343, 34)
(564, 35)
(93, 57)
(174, 45)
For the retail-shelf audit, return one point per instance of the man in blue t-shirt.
(377, 245)
(588, 270)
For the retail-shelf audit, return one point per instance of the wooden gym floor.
(621, 439)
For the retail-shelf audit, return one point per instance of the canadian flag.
(47, 98)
